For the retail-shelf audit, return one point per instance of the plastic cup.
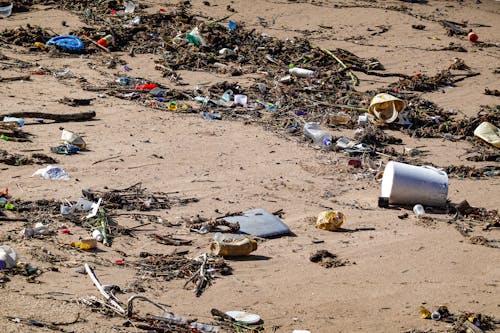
(419, 210)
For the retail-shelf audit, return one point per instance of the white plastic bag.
(52, 172)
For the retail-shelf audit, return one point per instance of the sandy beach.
(253, 158)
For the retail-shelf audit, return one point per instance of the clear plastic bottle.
(319, 136)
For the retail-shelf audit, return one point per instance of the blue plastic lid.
(69, 43)
(327, 142)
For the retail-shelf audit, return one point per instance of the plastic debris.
(67, 43)
(489, 133)
(330, 220)
(52, 172)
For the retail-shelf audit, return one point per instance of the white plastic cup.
(418, 210)
(406, 184)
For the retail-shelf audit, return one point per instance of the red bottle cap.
(473, 37)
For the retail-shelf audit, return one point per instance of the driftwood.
(15, 78)
(454, 27)
(83, 116)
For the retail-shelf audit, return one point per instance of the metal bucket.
(406, 184)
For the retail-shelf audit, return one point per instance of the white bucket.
(6, 11)
(406, 184)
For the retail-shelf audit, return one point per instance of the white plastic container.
(241, 100)
(8, 257)
(302, 72)
(406, 184)
(6, 11)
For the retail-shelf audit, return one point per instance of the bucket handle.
(441, 172)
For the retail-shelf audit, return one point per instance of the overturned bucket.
(385, 107)
(406, 184)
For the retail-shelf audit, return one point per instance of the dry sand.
(231, 166)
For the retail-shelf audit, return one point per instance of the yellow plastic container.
(241, 247)
(330, 220)
(85, 244)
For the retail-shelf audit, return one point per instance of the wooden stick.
(97, 44)
(15, 78)
(83, 116)
(105, 159)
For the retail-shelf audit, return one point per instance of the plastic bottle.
(302, 72)
(8, 257)
(313, 131)
(97, 235)
(106, 40)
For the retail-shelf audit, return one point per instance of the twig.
(354, 79)
(143, 165)
(105, 159)
(97, 44)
